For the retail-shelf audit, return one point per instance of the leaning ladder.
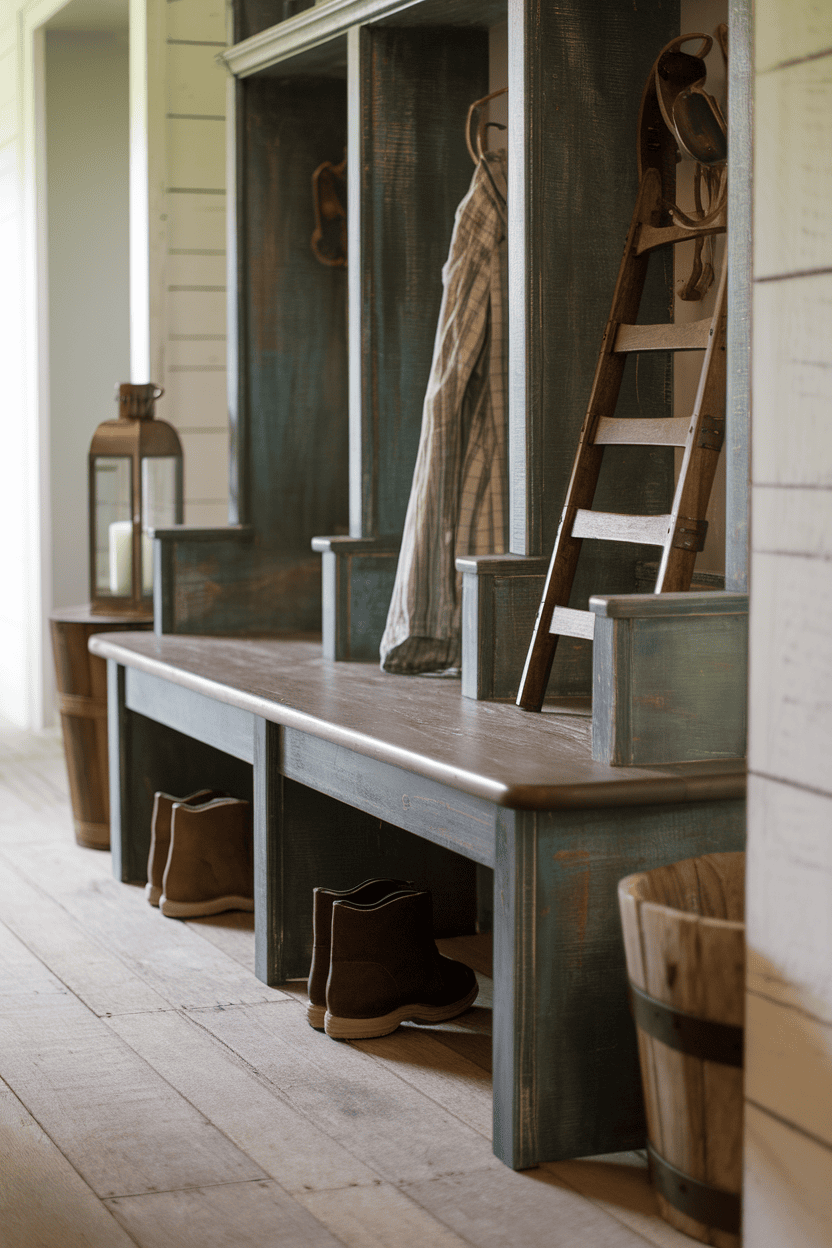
(681, 533)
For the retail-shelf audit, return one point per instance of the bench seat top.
(422, 724)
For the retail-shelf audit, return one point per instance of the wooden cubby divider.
(575, 74)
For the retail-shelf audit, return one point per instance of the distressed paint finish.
(414, 88)
(569, 213)
(500, 597)
(566, 1080)
(358, 774)
(235, 583)
(147, 755)
(408, 169)
(739, 260)
(290, 427)
(670, 678)
(357, 576)
(572, 186)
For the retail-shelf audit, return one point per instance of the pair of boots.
(375, 963)
(201, 858)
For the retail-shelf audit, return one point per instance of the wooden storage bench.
(356, 773)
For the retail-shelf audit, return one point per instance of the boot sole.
(192, 909)
(153, 893)
(316, 1016)
(384, 1024)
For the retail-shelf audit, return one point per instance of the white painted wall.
(177, 290)
(788, 1137)
(192, 323)
(86, 77)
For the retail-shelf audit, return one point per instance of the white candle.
(121, 559)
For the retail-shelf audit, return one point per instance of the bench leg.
(304, 838)
(566, 1077)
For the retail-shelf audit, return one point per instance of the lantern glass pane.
(160, 506)
(113, 525)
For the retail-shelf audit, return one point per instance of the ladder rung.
(642, 431)
(609, 526)
(651, 236)
(569, 623)
(692, 336)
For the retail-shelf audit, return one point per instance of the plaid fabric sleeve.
(458, 500)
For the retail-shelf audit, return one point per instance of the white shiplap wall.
(788, 1181)
(194, 322)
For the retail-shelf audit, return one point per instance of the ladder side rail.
(609, 373)
(699, 461)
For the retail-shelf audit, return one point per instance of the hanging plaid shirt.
(459, 497)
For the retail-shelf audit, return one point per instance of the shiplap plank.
(793, 183)
(790, 682)
(378, 1217)
(231, 1215)
(286, 1144)
(184, 969)
(195, 153)
(542, 1210)
(102, 981)
(44, 1200)
(196, 221)
(209, 515)
(355, 1099)
(788, 1056)
(206, 455)
(789, 896)
(196, 269)
(196, 399)
(797, 522)
(196, 312)
(195, 82)
(792, 378)
(784, 32)
(119, 1124)
(196, 19)
(619, 1184)
(787, 1188)
(198, 354)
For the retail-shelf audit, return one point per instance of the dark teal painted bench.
(345, 764)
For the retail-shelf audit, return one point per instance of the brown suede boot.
(210, 864)
(163, 804)
(365, 894)
(385, 968)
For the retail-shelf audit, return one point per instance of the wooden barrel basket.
(684, 937)
(81, 678)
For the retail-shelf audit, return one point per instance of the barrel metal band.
(700, 1201)
(81, 705)
(698, 1037)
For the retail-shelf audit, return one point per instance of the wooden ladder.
(681, 533)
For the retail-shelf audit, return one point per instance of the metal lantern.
(135, 472)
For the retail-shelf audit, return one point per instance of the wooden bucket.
(684, 937)
(81, 678)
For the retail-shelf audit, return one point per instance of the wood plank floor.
(153, 1092)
